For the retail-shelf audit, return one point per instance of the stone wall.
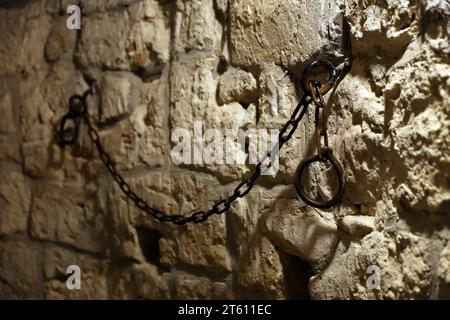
(161, 65)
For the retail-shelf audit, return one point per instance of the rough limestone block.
(119, 94)
(103, 46)
(421, 136)
(149, 40)
(59, 214)
(60, 41)
(142, 140)
(91, 6)
(399, 261)
(124, 238)
(257, 265)
(357, 225)
(277, 95)
(193, 91)
(24, 38)
(37, 131)
(19, 269)
(93, 275)
(7, 121)
(206, 248)
(237, 86)
(9, 148)
(15, 200)
(197, 288)
(168, 252)
(382, 28)
(193, 100)
(273, 31)
(140, 281)
(191, 18)
(306, 234)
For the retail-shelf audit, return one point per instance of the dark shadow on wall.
(149, 243)
(297, 273)
(13, 3)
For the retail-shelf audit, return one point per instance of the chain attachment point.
(317, 90)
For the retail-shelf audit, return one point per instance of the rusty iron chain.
(324, 152)
(78, 110)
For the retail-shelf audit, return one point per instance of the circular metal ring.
(313, 66)
(327, 154)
